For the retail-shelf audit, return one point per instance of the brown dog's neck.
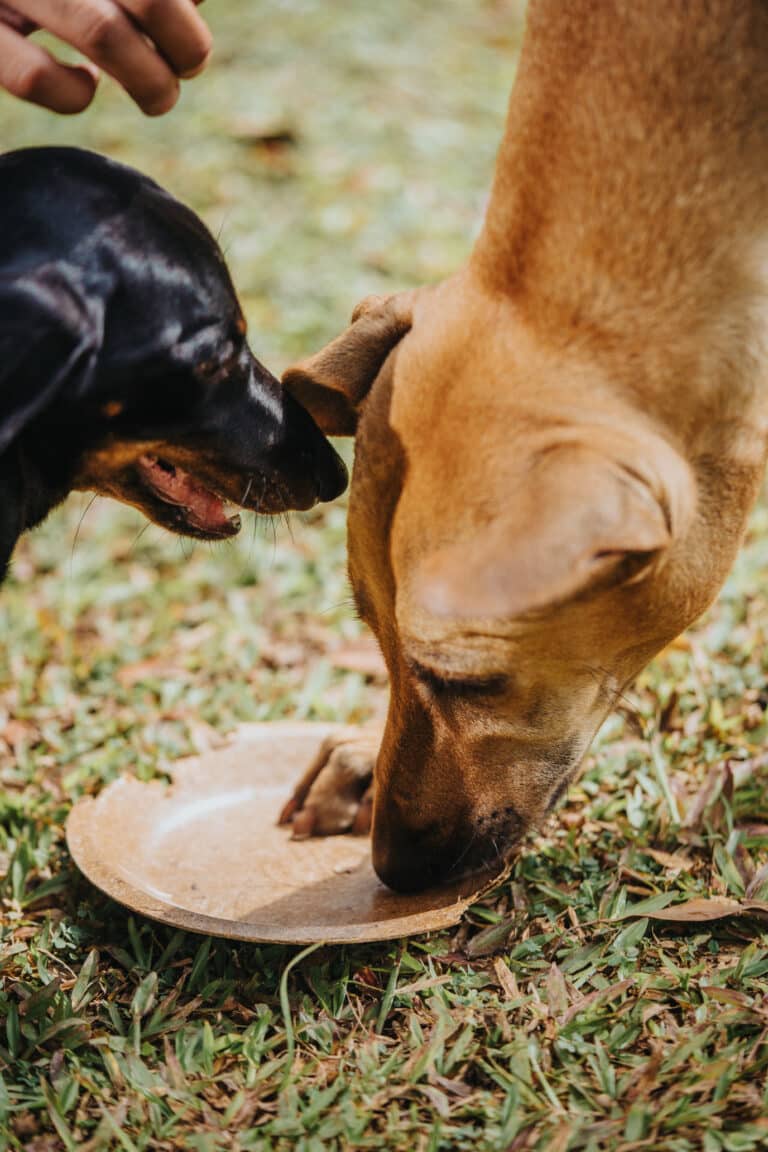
(624, 116)
(650, 115)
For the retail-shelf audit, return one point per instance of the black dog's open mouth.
(197, 510)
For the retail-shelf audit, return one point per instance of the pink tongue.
(205, 510)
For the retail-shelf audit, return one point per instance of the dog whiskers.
(463, 853)
(139, 535)
(614, 696)
(87, 509)
(345, 602)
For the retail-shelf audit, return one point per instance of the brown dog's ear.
(332, 383)
(578, 521)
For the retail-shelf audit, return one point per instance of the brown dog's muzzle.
(432, 822)
(417, 845)
(409, 859)
(406, 858)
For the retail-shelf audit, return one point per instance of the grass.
(340, 149)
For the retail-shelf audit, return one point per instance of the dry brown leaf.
(561, 1137)
(18, 732)
(671, 861)
(423, 985)
(751, 830)
(647, 1074)
(281, 654)
(642, 879)
(452, 1087)
(367, 976)
(265, 133)
(506, 978)
(712, 786)
(523, 1140)
(725, 778)
(726, 995)
(744, 864)
(755, 907)
(757, 882)
(594, 997)
(437, 1099)
(706, 909)
(25, 1125)
(557, 993)
(155, 669)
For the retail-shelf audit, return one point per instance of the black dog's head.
(124, 367)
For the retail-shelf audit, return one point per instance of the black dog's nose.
(309, 467)
(330, 472)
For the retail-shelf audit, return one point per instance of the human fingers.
(105, 33)
(30, 73)
(179, 33)
(9, 15)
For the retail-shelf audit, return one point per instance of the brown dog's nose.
(409, 859)
(404, 866)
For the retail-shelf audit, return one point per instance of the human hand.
(146, 45)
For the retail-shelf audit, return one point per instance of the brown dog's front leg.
(335, 794)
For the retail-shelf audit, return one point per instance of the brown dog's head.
(521, 541)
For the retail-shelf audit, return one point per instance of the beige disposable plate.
(205, 853)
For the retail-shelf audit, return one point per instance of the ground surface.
(340, 149)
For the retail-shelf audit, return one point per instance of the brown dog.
(554, 466)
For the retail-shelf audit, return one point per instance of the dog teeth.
(232, 513)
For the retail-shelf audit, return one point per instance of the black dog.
(124, 367)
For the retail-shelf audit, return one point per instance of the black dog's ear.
(332, 383)
(49, 339)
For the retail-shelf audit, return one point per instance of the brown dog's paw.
(336, 792)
